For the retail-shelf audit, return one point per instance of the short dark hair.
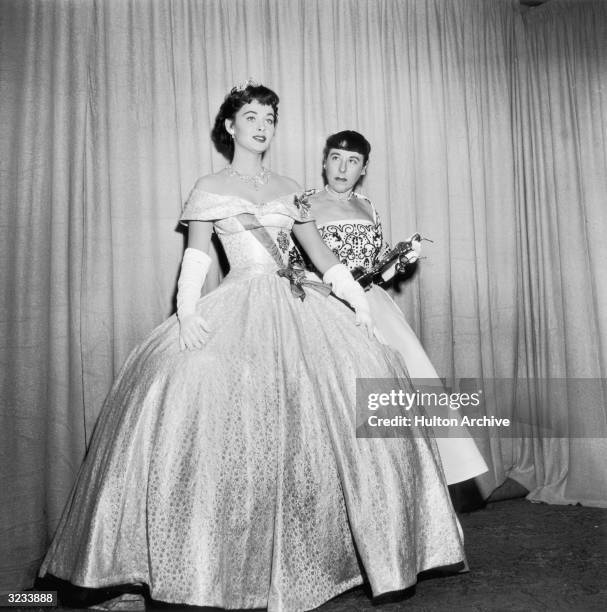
(232, 103)
(348, 140)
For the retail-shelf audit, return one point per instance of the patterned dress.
(358, 243)
(231, 476)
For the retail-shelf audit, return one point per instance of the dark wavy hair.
(348, 140)
(232, 103)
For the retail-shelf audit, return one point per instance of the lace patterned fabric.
(231, 476)
(356, 244)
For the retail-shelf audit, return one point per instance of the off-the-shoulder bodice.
(206, 206)
(237, 229)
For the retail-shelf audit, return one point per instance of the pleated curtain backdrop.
(488, 128)
(562, 219)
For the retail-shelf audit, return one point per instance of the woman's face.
(343, 169)
(252, 127)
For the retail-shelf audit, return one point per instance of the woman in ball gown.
(350, 226)
(224, 469)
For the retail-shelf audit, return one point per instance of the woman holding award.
(350, 226)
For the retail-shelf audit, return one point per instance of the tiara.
(250, 82)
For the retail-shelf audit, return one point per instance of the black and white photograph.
(303, 305)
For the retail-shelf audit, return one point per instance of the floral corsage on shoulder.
(302, 204)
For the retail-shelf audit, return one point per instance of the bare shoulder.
(285, 184)
(316, 194)
(364, 204)
(211, 182)
(317, 200)
(362, 198)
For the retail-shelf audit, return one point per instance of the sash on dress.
(297, 276)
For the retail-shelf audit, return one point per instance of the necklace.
(344, 197)
(257, 180)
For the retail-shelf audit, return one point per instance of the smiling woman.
(253, 123)
(255, 110)
(237, 413)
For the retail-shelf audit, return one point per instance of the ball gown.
(358, 243)
(231, 476)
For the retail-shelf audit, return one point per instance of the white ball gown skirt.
(231, 476)
(460, 456)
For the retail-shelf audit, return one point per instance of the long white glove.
(412, 257)
(346, 288)
(193, 329)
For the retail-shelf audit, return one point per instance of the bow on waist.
(297, 276)
(298, 279)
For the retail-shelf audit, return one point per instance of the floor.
(522, 556)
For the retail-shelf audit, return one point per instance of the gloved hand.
(411, 257)
(346, 288)
(193, 329)
(416, 245)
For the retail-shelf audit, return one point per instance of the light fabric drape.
(562, 219)
(488, 129)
